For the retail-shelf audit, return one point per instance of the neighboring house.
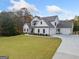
(26, 28)
(48, 26)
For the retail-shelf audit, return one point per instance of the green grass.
(28, 47)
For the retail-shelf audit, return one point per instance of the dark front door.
(32, 30)
(58, 31)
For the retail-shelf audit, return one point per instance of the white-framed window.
(27, 30)
(24, 29)
(38, 30)
(43, 30)
(41, 22)
(55, 24)
(34, 23)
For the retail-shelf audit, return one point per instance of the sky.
(65, 9)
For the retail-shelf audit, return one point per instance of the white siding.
(49, 31)
(52, 31)
(66, 30)
(53, 23)
(25, 27)
(43, 23)
(56, 21)
(35, 19)
(41, 30)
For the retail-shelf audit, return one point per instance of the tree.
(7, 25)
(76, 23)
(12, 22)
(21, 17)
(24, 14)
(18, 22)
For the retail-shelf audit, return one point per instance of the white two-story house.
(48, 26)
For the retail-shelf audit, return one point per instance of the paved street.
(69, 48)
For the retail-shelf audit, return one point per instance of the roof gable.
(41, 23)
(27, 24)
(46, 20)
(49, 24)
(49, 19)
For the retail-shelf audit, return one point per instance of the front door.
(58, 31)
(32, 30)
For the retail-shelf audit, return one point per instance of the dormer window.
(27, 30)
(34, 22)
(55, 23)
(41, 22)
(24, 29)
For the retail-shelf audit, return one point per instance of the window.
(24, 29)
(32, 30)
(43, 30)
(38, 30)
(27, 30)
(55, 23)
(41, 22)
(34, 24)
(58, 31)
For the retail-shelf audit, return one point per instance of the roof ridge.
(49, 16)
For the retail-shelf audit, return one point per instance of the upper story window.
(41, 22)
(55, 24)
(34, 22)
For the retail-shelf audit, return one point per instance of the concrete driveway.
(69, 48)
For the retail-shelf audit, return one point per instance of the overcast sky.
(65, 9)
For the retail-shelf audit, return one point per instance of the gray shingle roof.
(39, 26)
(49, 19)
(65, 24)
(49, 24)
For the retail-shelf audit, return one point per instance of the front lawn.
(28, 47)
